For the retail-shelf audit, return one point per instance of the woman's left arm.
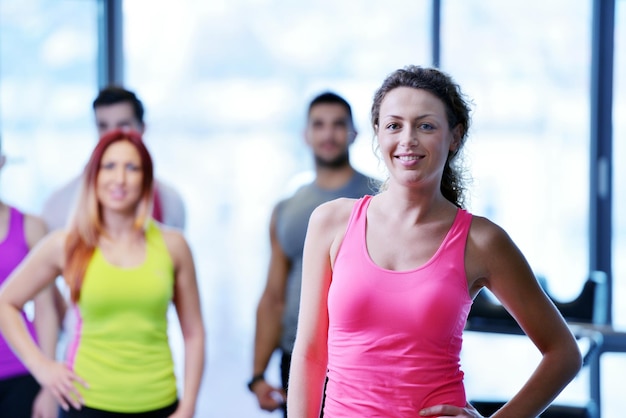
(508, 275)
(492, 260)
(187, 303)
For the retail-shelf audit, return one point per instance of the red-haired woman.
(123, 270)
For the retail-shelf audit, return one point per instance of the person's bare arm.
(495, 260)
(513, 283)
(310, 356)
(188, 309)
(46, 320)
(47, 325)
(37, 272)
(269, 320)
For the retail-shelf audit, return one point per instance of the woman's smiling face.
(414, 136)
(120, 177)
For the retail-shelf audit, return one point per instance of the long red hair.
(86, 223)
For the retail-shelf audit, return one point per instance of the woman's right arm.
(36, 272)
(310, 354)
(46, 320)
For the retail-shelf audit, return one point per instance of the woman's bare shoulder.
(335, 211)
(175, 242)
(170, 233)
(52, 247)
(34, 228)
(491, 253)
(56, 238)
(485, 233)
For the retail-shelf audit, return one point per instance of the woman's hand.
(450, 411)
(59, 380)
(270, 398)
(182, 412)
(45, 406)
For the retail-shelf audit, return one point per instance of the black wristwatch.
(255, 378)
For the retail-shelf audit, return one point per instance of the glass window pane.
(526, 66)
(613, 365)
(48, 53)
(619, 167)
(528, 152)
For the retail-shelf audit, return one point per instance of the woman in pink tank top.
(388, 280)
(20, 394)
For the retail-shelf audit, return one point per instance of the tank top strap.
(14, 245)
(456, 238)
(360, 208)
(358, 216)
(355, 230)
(153, 233)
(462, 221)
(157, 248)
(15, 233)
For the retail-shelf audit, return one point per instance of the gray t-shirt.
(292, 218)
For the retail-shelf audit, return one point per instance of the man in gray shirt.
(329, 132)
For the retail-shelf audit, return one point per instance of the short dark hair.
(329, 97)
(116, 94)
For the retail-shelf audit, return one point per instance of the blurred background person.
(123, 270)
(20, 394)
(116, 108)
(329, 133)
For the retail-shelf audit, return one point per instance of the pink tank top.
(13, 249)
(394, 337)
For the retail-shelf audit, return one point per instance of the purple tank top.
(394, 337)
(13, 249)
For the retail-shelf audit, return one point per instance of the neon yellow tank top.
(121, 346)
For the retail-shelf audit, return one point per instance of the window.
(619, 167)
(48, 79)
(528, 151)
